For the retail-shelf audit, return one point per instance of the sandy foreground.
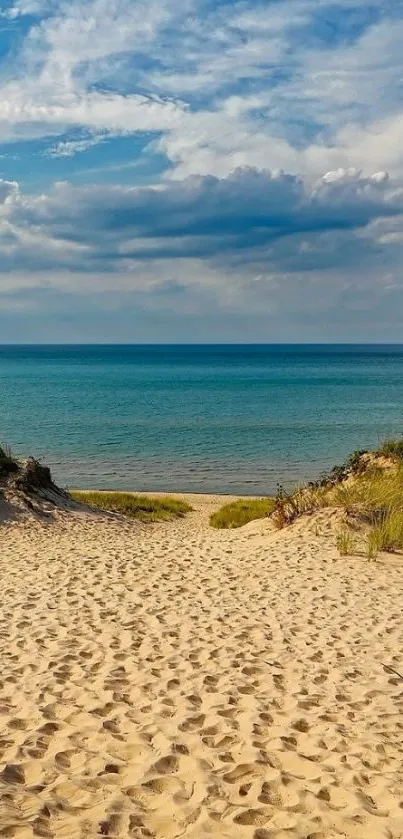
(171, 680)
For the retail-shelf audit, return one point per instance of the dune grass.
(374, 494)
(240, 512)
(393, 448)
(387, 535)
(377, 498)
(369, 493)
(345, 542)
(305, 499)
(142, 507)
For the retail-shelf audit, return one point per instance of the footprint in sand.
(253, 817)
(166, 765)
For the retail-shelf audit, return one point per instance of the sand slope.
(171, 680)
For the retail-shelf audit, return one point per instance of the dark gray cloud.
(204, 217)
(254, 245)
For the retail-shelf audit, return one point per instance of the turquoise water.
(220, 419)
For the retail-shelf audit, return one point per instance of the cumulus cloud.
(253, 128)
(258, 223)
(249, 204)
(7, 189)
(304, 84)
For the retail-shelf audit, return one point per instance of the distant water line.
(226, 419)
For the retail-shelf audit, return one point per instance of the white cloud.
(51, 89)
(300, 86)
(27, 7)
(252, 223)
(8, 189)
(69, 148)
(269, 96)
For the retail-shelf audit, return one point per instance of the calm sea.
(226, 419)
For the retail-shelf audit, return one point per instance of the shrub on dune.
(393, 448)
(8, 463)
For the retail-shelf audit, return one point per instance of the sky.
(201, 171)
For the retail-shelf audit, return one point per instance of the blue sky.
(201, 171)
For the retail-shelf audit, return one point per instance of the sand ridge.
(172, 680)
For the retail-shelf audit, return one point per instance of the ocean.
(223, 419)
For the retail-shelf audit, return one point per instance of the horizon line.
(201, 344)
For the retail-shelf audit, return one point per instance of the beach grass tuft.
(345, 542)
(240, 512)
(142, 507)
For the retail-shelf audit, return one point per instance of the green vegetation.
(142, 507)
(240, 512)
(317, 494)
(377, 499)
(375, 494)
(306, 499)
(369, 493)
(393, 448)
(388, 534)
(345, 542)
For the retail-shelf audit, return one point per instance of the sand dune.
(172, 680)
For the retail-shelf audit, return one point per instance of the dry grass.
(305, 499)
(142, 507)
(371, 494)
(393, 448)
(387, 535)
(242, 511)
(375, 493)
(377, 499)
(345, 542)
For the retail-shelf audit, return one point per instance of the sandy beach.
(172, 680)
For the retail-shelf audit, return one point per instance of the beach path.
(172, 680)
